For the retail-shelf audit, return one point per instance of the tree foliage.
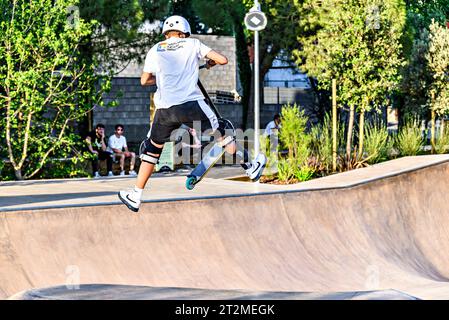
(277, 39)
(357, 42)
(437, 59)
(45, 81)
(119, 35)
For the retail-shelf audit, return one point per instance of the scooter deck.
(211, 158)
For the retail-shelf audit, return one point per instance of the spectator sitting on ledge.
(96, 143)
(117, 145)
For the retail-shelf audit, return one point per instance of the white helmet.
(176, 23)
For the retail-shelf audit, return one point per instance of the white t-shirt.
(175, 63)
(270, 126)
(116, 143)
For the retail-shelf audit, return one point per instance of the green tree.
(45, 81)
(278, 38)
(416, 78)
(123, 32)
(118, 36)
(357, 42)
(412, 96)
(424, 11)
(437, 58)
(185, 9)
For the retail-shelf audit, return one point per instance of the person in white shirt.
(117, 145)
(273, 126)
(173, 65)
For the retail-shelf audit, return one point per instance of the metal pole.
(256, 93)
(256, 87)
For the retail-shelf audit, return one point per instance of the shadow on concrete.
(124, 292)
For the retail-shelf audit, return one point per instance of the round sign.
(255, 20)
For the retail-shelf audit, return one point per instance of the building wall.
(222, 78)
(133, 110)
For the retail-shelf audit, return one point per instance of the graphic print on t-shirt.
(164, 46)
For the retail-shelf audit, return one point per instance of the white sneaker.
(96, 175)
(257, 166)
(110, 174)
(130, 198)
(122, 173)
(132, 173)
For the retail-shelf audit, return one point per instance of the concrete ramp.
(387, 234)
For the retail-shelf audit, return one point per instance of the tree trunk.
(18, 174)
(334, 125)
(432, 131)
(349, 137)
(361, 133)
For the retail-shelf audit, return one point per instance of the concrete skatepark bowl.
(375, 233)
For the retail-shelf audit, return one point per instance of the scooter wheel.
(190, 183)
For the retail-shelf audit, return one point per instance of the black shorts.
(167, 120)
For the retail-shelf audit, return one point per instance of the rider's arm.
(215, 57)
(147, 79)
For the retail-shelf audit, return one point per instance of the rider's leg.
(149, 158)
(160, 132)
(253, 169)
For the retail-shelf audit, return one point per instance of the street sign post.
(255, 20)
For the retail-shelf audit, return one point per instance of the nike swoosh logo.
(127, 197)
(258, 166)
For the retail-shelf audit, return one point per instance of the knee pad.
(147, 147)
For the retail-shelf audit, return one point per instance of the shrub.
(410, 140)
(304, 173)
(377, 146)
(321, 145)
(270, 150)
(442, 143)
(294, 138)
(285, 170)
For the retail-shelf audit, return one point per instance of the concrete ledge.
(66, 193)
